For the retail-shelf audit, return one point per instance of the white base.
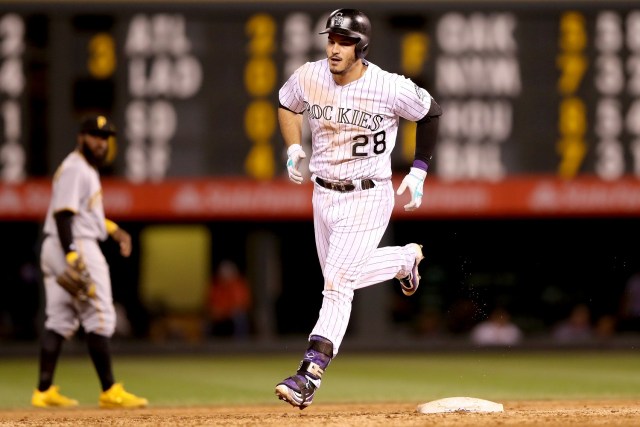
(459, 404)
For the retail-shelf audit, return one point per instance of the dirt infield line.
(623, 413)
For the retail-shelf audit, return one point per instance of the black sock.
(100, 353)
(50, 347)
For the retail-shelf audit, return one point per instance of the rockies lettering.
(344, 115)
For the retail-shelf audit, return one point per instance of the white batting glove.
(414, 182)
(295, 153)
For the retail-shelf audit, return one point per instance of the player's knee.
(65, 330)
(101, 329)
(339, 294)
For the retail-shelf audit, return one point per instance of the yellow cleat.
(50, 398)
(118, 397)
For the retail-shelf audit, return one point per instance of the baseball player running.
(76, 274)
(353, 108)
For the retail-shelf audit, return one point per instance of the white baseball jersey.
(353, 127)
(77, 187)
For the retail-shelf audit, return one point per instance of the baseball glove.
(76, 280)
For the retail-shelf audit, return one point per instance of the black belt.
(344, 187)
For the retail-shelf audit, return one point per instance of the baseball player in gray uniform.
(353, 108)
(75, 223)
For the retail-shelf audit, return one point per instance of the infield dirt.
(516, 413)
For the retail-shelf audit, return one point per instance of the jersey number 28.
(379, 144)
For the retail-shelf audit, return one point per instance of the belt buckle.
(343, 187)
(346, 186)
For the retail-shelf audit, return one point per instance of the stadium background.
(532, 204)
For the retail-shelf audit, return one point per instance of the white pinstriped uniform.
(77, 187)
(353, 128)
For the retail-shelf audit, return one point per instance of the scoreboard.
(528, 89)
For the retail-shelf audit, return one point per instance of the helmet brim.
(342, 32)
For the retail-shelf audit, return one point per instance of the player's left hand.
(75, 279)
(124, 240)
(414, 182)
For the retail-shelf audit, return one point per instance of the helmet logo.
(101, 121)
(338, 19)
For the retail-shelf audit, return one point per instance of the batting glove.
(414, 182)
(295, 153)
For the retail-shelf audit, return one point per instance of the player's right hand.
(295, 153)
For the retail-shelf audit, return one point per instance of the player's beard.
(348, 65)
(93, 159)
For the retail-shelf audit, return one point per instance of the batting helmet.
(351, 23)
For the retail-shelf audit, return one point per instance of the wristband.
(72, 257)
(111, 226)
(420, 165)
